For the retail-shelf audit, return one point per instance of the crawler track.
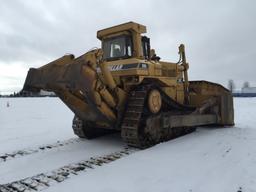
(138, 122)
(88, 130)
(45, 180)
(25, 152)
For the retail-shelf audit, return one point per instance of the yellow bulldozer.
(124, 86)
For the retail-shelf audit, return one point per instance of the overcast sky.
(219, 35)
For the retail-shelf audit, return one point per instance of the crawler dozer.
(124, 86)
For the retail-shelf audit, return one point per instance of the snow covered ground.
(210, 159)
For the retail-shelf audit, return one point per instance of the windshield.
(118, 47)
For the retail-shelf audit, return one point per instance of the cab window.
(118, 47)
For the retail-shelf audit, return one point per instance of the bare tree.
(231, 85)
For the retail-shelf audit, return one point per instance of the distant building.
(249, 90)
(245, 92)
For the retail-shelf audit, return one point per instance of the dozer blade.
(73, 81)
(213, 98)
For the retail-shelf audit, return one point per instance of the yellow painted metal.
(108, 78)
(60, 61)
(108, 98)
(88, 85)
(185, 69)
(130, 26)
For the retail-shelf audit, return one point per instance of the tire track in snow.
(24, 152)
(44, 180)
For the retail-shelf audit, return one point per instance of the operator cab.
(125, 41)
(119, 47)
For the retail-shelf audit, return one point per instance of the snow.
(33, 121)
(210, 159)
(30, 122)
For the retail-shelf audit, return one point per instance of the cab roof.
(130, 26)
